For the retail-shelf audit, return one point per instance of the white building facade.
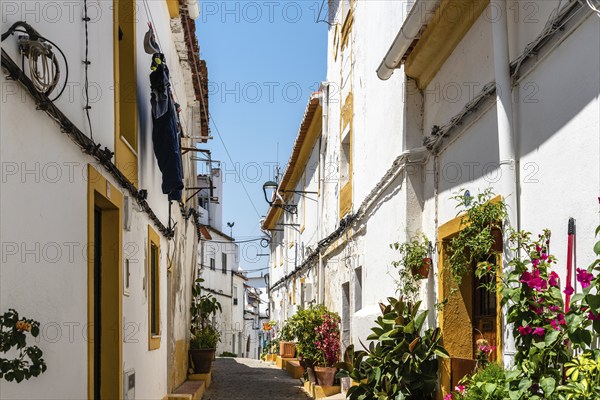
(91, 246)
(468, 95)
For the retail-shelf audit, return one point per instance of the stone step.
(189, 390)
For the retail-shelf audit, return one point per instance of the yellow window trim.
(101, 193)
(446, 231)
(347, 116)
(125, 88)
(347, 25)
(153, 238)
(173, 6)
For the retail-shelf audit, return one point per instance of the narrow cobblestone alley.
(240, 378)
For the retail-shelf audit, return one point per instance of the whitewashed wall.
(46, 210)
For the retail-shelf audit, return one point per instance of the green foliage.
(412, 254)
(228, 354)
(489, 383)
(583, 373)
(29, 362)
(475, 242)
(400, 363)
(535, 304)
(203, 308)
(301, 327)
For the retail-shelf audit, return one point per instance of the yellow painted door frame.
(106, 198)
(455, 316)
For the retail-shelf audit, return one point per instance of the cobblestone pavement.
(242, 378)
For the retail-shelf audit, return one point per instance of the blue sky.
(264, 60)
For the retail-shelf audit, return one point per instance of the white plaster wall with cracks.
(44, 206)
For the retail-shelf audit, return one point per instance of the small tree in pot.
(204, 336)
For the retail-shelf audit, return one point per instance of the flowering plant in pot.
(204, 336)
(328, 342)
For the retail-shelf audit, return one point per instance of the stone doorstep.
(294, 369)
(207, 378)
(189, 390)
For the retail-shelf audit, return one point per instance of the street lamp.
(271, 187)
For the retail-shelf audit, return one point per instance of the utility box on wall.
(129, 385)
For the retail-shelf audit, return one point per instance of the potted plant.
(415, 256)
(204, 336)
(328, 342)
(481, 231)
(401, 362)
(287, 347)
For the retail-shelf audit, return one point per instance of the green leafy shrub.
(203, 308)
(400, 363)
(475, 241)
(302, 328)
(583, 373)
(13, 335)
(228, 354)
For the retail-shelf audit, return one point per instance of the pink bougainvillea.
(328, 339)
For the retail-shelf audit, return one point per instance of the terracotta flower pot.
(325, 375)
(287, 349)
(202, 360)
(423, 271)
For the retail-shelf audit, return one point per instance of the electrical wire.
(40, 51)
(87, 63)
(593, 7)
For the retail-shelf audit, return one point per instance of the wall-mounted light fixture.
(274, 198)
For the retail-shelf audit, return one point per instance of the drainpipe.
(506, 141)
(324, 130)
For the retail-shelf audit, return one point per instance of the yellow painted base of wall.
(309, 387)
(282, 362)
(207, 378)
(320, 392)
(294, 369)
(271, 358)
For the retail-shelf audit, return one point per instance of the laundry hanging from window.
(165, 129)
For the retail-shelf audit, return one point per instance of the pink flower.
(538, 331)
(448, 396)
(593, 317)
(535, 262)
(524, 330)
(553, 279)
(544, 256)
(460, 389)
(569, 290)
(538, 248)
(584, 277)
(554, 325)
(554, 308)
(536, 310)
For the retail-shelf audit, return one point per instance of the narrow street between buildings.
(243, 378)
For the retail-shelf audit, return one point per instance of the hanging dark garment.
(165, 132)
